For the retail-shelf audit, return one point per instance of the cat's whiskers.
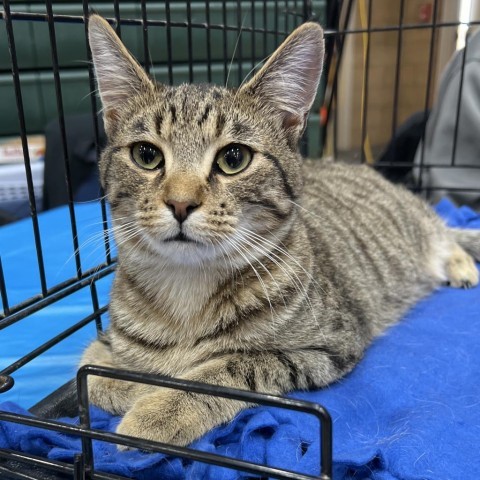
(236, 247)
(285, 252)
(108, 230)
(244, 244)
(297, 282)
(94, 200)
(125, 236)
(113, 245)
(235, 50)
(113, 233)
(317, 217)
(248, 74)
(287, 270)
(93, 239)
(217, 241)
(95, 92)
(247, 243)
(237, 91)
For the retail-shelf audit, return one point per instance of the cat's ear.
(118, 74)
(290, 78)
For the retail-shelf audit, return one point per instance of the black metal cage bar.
(23, 134)
(94, 109)
(195, 387)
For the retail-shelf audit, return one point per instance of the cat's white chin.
(187, 253)
(182, 251)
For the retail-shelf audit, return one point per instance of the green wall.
(35, 61)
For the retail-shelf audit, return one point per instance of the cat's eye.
(147, 156)
(233, 158)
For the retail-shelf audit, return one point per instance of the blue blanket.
(410, 410)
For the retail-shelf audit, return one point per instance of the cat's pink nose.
(181, 210)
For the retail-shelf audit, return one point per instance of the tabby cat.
(239, 263)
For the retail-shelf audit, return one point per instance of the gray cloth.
(440, 133)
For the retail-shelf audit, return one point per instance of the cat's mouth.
(181, 237)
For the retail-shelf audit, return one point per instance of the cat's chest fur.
(186, 308)
(167, 303)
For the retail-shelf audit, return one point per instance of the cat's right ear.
(118, 74)
(289, 79)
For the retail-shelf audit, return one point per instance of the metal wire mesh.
(224, 59)
(398, 54)
(220, 42)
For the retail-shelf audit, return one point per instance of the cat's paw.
(176, 418)
(114, 396)
(461, 270)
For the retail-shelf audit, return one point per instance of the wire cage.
(46, 72)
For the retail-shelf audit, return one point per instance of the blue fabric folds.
(409, 411)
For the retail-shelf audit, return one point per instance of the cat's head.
(196, 173)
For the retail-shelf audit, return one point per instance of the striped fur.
(293, 266)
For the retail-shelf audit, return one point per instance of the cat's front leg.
(177, 417)
(115, 396)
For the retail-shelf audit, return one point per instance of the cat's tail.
(469, 240)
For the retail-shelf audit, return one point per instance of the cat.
(239, 263)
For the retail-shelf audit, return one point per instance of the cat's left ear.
(119, 76)
(290, 78)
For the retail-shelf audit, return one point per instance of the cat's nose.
(181, 210)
